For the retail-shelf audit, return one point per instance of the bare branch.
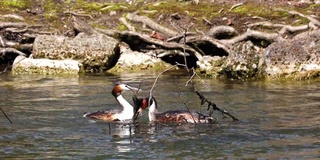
(155, 81)
(6, 115)
(185, 104)
(78, 14)
(235, 6)
(202, 98)
(150, 23)
(82, 26)
(127, 24)
(217, 43)
(214, 106)
(12, 24)
(221, 10)
(285, 28)
(206, 20)
(222, 31)
(7, 67)
(4, 51)
(250, 34)
(311, 19)
(156, 42)
(13, 16)
(179, 37)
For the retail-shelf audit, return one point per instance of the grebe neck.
(124, 104)
(153, 110)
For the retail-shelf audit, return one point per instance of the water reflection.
(278, 120)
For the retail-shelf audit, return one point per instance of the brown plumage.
(124, 113)
(172, 116)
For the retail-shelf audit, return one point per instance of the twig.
(4, 51)
(191, 77)
(178, 37)
(284, 28)
(155, 81)
(127, 24)
(220, 10)
(206, 20)
(12, 24)
(236, 5)
(5, 70)
(6, 115)
(150, 23)
(311, 19)
(184, 102)
(2, 44)
(78, 14)
(214, 106)
(202, 98)
(185, 62)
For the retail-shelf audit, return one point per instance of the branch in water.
(6, 115)
(202, 98)
(214, 106)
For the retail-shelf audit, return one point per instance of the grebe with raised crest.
(171, 116)
(124, 113)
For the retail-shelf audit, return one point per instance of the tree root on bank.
(218, 39)
(285, 29)
(5, 51)
(16, 39)
(150, 23)
(215, 42)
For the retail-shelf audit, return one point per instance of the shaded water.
(278, 120)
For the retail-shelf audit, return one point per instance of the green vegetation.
(20, 4)
(53, 11)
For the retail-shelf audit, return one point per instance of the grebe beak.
(128, 87)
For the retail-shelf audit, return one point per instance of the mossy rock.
(96, 52)
(24, 65)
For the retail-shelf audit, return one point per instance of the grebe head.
(118, 88)
(141, 104)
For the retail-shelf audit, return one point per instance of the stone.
(96, 52)
(133, 60)
(23, 65)
(245, 61)
(297, 58)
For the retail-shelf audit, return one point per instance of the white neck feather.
(127, 109)
(153, 110)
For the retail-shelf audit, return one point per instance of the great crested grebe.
(172, 116)
(124, 113)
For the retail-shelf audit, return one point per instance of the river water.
(278, 120)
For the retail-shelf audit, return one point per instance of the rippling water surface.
(277, 120)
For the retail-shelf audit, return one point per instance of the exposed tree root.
(218, 39)
(285, 29)
(5, 51)
(253, 35)
(215, 42)
(312, 20)
(222, 32)
(151, 24)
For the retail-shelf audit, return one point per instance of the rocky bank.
(226, 39)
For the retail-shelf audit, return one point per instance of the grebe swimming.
(124, 113)
(172, 116)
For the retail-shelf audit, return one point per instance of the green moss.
(313, 6)
(21, 4)
(295, 76)
(138, 68)
(43, 71)
(94, 7)
(122, 27)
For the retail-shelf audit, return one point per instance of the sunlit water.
(277, 120)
